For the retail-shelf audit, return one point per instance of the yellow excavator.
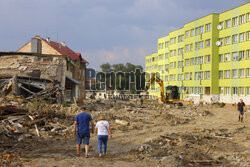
(171, 97)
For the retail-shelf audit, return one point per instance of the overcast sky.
(114, 31)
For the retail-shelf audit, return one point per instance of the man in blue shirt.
(81, 123)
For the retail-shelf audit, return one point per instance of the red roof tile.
(65, 50)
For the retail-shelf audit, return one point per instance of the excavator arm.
(160, 82)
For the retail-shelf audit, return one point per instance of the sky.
(113, 31)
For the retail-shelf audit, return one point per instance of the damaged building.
(43, 68)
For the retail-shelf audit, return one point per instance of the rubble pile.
(21, 120)
(198, 148)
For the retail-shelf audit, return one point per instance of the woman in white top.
(103, 132)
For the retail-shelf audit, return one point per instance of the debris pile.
(197, 148)
(26, 120)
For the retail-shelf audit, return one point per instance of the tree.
(123, 79)
(106, 67)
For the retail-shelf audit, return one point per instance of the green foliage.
(128, 68)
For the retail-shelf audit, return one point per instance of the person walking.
(241, 109)
(103, 132)
(82, 131)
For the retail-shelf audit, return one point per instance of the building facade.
(73, 80)
(208, 58)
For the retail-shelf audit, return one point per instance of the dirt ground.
(155, 135)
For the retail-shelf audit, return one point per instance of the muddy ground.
(149, 135)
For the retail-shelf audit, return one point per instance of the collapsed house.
(43, 68)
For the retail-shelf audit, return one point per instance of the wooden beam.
(30, 54)
(27, 90)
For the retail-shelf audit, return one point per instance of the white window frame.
(227, 74)
(242, 37)
(242, 19)
(234, 73)
(241, 91)
(228, 23)
(227, 90)
(235, 21)
(242, 73)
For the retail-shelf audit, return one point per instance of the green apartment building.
(208, 58)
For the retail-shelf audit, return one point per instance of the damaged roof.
(65, 50)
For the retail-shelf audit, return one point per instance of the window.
(171, 78)
(228, 23)
(187, 62)
(166, 78)
(227, 57)
(171, 40)
(171, 65)
(191, 76)
(234, 90)
(187, 48)
(186, 76)
(208, 43)
(187, 33)
(167, 67)
(198, 75)
(166, 55)
(234, 56)
(186, 90)
(180, 64)
(221, 57)
(192, 33)
(221, 41)
(227, 91)
(208, 27)
(180, 51)
(242, 73)
(167, 44)
(248, 90)
(191, 90)
(221, 24)
(192, 61)
(234, 74)
(202, 29)
(180, 38)
(197, 60)
(160, 46)
(221, 74)
(235, 21)
(199, 45)
(235, 38)
(227, 74)
(242, 18)
(248, 16)
(200, 89)
(248, 72)
(248, 54)
(248, 35)
(171, 53)
(201, 60)
(242, 55)
(221, 90)
(207, 59)
(228, 40)
(199, 30)
(191, 47)
(207, 75)
(242, 37)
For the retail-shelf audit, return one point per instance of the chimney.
(48, 39)
(63, 44)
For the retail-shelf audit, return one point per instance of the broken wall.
(50, 68)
